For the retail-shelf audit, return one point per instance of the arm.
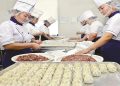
(84, 38)
(19, 46)
(92, 36)
(36, 41)
(47, 36)
(103, 40)
(37, 34)
(80, 33)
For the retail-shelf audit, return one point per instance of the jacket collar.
(32, 23)
(15, 21)
(114, 13)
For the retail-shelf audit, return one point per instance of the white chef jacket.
(96, 27)
(113, 26)
(41, 27)
(11, 32)
(31, 29)
(85, 29)
(44, 29)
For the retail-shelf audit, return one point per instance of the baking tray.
(108, 79)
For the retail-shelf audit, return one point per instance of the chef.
(31, 28)
(45, 28)
(95, 27)
(110, 41)
(13, 37)
(84, 28)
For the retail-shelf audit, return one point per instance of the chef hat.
(51, 20)
(80, 18)
(24, 5)
(86, 15)
(101, 2)
(36, 13)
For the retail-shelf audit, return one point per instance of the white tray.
(59, 54)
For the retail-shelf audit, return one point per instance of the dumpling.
(95, 70)
(111, 67)
(103, 67)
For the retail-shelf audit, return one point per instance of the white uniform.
(113, 26)
(96, 27)
(44, 29)
(41, 27)
(111, 50)
(31, 29)
(11, 32)
(85, 29)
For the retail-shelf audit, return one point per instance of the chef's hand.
(35, 46)
(37, 41)
(73, 38)
(41, 33)
(80, 40)
(85, 51)
(51, 37)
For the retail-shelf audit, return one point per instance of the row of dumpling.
(22, 74)
(55, 74)
(90, 70)
(35, 75)
(48, 75)
(9, 77)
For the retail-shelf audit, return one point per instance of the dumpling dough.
(87, 76)
(111, 67)
(103, 67)
(88, 79)
(95, 70)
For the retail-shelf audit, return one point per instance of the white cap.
(86, 15)
(36, 13)
(80, 18)
(51, 20)
(24, 5)
(101, 2)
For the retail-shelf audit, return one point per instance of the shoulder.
(4, 23)
(7, 24)
(28, 25)
(116, 16)
(114, 19)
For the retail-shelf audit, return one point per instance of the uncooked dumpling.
(95, 70)
(111, 67)
(103, 67)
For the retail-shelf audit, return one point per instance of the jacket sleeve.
(6, 34)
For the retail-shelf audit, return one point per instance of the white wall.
(69, 10)
(5, 6)
(49, 7)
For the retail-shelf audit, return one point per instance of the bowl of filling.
(31, 57)
(84, 57)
